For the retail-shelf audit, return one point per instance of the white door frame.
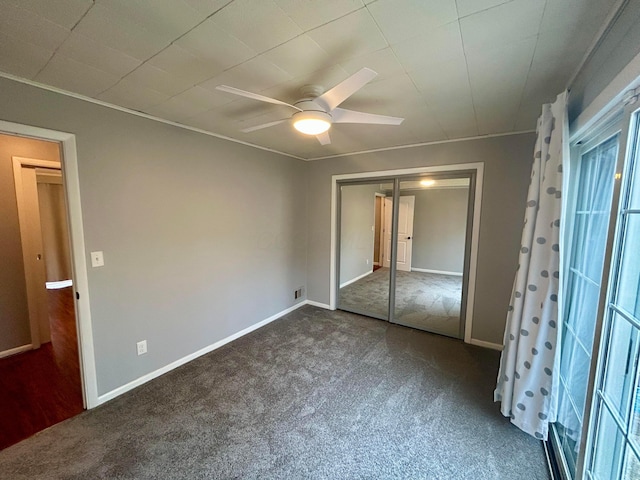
(475, 229)
(378, 196)
(71, 182)
(386, 230)
(31, 240)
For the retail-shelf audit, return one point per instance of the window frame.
(599, 133)
(630, 135)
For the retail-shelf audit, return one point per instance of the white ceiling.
(451, 68)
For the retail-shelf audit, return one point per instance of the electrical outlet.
(298, 293)
(142, 347)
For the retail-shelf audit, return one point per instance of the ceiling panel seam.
(524, 87)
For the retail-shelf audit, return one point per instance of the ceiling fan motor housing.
(310, 105)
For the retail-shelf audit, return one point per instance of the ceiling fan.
(317, 111)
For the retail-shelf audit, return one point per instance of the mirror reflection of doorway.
(426, 288)
(406, 211)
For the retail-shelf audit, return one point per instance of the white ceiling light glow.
(312, 122)
(427, 183)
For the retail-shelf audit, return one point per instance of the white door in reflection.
(405, 231)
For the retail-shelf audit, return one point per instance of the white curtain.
(529, 370)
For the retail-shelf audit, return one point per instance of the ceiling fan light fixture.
(312, 122)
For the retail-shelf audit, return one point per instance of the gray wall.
(201, 237)
(14, 313)
(356, 236)
(507, 163)
(439, 229)
(617, 48)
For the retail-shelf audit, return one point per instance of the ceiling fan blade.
(340, 115)
(264, 125)
(338, 94)
(324, 138)
(254, 96)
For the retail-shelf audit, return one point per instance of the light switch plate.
(97, 259)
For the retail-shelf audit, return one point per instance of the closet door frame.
(475, 169)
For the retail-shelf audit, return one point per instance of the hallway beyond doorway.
(42, 387)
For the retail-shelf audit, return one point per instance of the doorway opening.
(427, 226)
(40, 373)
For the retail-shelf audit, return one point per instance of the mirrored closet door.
(404, 250)
(432, 237)
(363, 285)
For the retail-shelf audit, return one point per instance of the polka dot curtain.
(529, 366)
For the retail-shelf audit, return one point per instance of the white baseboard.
(482, 343)
(439, 272)
(59, 284)
(203, 351)
(319, 305)
(16, 350)
(353, 280)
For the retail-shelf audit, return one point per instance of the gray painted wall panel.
(356, 245)
(616, 49)
(201, 237)
(439, 229)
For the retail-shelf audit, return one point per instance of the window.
(590, 209)
(616, 436)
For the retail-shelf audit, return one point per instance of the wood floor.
(42, 387)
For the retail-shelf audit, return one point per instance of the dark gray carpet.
(316, 394)
(427, 301)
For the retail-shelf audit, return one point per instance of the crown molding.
(423, 144)
(139, 114)
(234, 140)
